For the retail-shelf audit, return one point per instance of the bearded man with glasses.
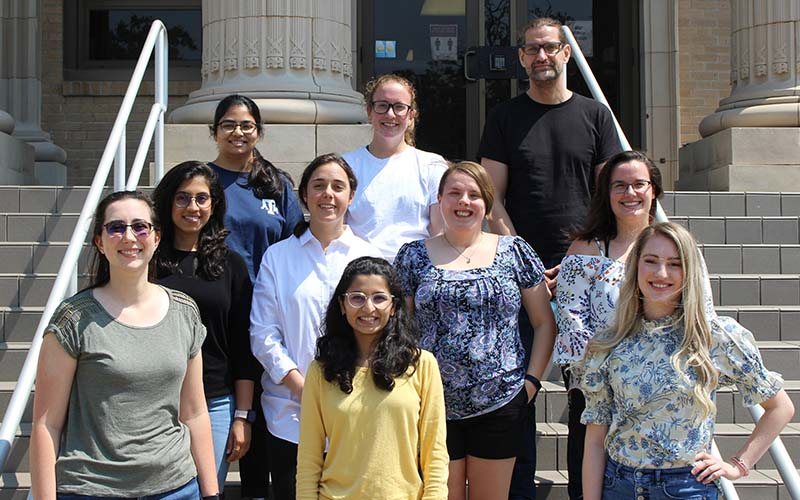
(542, 150)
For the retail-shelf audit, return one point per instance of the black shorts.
(494, 435)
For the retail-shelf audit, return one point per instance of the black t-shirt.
(224, 306)
(551, 152)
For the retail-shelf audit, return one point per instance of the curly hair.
(396, 349)
(211, 248)
(98, 267)
(265, 178)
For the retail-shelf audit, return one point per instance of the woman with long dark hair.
(194, 259)
(262, 210)
(296, 279)
(373, 397)
(650, 381)
(119, 409)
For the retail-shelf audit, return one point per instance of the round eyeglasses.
(382, 107)
(228, 126)
(357, 300)
(116, 228)
(183, 200)
(639, 186)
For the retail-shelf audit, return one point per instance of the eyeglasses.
(357, 300)
(382, 107)
(116, 228)
(620, 187)
(228, 126)
(183, 200)
(550, 48)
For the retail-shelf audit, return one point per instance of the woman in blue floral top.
(592, 273)
(650, 382)
(466, 288)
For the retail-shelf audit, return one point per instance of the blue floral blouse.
(652, 417)
(468, 320)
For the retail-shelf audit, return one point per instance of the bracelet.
(533, 380)
(212, 497)
(739, 463)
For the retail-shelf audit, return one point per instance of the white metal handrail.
(66, 280)
(777, 450)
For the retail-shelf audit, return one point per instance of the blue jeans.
(623, 483)
(189, 491)
(220, 411)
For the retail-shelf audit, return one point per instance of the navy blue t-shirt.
(256, 223)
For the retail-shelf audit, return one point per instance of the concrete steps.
(751, 243)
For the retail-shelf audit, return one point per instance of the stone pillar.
(293, 57)
(752, 141)
(21, 86)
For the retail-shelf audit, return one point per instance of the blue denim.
(189, 491)
(621, 482)
(220, 411)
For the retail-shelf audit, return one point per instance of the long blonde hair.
(693, 352)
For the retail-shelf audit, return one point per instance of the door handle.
(468, 53)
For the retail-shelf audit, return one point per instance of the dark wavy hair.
(302, 190)
(98, 267)
(265, 179)
(211, 248)
(396, 348)
(601, 223)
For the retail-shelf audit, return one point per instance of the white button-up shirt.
(290, 296)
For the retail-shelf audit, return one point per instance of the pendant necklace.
(467, 258)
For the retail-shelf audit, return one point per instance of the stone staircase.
(751, 242)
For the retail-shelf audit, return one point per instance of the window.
(103, 38)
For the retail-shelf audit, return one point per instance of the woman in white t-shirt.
(397, 183)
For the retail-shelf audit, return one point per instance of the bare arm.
(499, 220)
(537, 304)
(594, 461)
(194, 414)
(54, 377)
(295, 381)
(241, 431)
(436, 226)
(778, 411)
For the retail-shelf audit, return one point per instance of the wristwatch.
(246, 415)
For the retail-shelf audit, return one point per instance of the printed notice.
(444, 42)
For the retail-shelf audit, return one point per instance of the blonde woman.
(650, 381)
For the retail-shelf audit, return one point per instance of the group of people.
(388, 346)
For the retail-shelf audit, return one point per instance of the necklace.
(467, 258)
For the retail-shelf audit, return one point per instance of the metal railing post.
(161, 96)
(777, 450)
(119, 163)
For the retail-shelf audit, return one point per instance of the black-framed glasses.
(550, 48)
(116, 228)
(183, 200)
(228, 126)
(382, 107)
(357, 300)
(639, 186)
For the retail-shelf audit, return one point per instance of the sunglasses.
(357, 300)
(183, 200)
(117, 228)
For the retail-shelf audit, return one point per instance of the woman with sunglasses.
(119, 409)
(294, 284)
(262, 209)
(194, 259)
(396, 198)
(373, 401)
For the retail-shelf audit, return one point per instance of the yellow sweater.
(381, 445)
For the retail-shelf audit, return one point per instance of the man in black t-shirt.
(543, 150)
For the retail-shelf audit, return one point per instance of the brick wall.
(79, 114)
(704, 40)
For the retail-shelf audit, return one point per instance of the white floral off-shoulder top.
(653, 419)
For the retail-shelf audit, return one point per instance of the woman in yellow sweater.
(374, 395)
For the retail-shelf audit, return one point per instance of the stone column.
(293, 57)
(765, 64)
(752, 141)
(21, 86)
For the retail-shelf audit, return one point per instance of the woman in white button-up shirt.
(294, 285)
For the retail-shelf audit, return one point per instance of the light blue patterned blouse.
(653, 419)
